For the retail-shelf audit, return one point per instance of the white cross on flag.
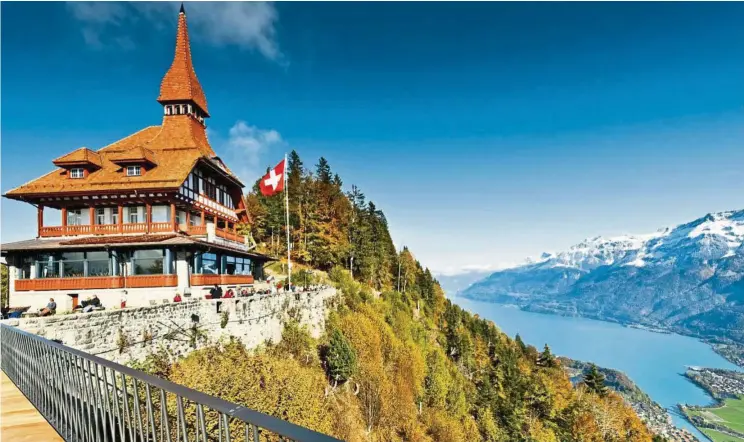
(273, 182)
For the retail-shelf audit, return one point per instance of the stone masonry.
(128, 334)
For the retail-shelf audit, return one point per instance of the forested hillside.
(328, 227)
(393, 364)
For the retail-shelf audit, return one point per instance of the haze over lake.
(654, 361)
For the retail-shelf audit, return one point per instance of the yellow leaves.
(277, 386)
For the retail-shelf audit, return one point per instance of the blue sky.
(487, 132)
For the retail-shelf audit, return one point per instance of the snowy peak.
(711, 237)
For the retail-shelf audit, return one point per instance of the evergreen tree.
(341, 358)
(595, 381)
(546, 358)
(520, 343)
(323, 171)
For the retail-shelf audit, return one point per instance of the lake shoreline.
(736, 356)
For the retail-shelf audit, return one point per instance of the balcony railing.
(207, 279)
(87, 398)
(96, 282)
(227, 234)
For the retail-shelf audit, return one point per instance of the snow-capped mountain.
(689, 278)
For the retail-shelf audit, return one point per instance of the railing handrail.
(273, 424)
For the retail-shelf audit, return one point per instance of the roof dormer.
(133, 157)
(79, 163)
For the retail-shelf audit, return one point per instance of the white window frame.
(100, 215)
(74, 217)
(131, 170)
(77, 173)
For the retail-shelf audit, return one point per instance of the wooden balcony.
(229, 235)
(197, 230)
(96, 282)
(202, 280)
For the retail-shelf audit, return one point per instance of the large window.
(148, 262)
(98, 263)
(100, 215)
(24, 271)
(237, 266)
(73, 264)
(48, 266)
(74, 217)
(209, 264)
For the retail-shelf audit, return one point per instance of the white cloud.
(247, 25)
(246, 149)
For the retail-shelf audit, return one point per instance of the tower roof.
(180, 82)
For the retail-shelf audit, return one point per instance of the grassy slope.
(731, 414)
(715, 436)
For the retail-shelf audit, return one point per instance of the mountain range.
(688, 278)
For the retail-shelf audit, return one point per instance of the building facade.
(146, 217)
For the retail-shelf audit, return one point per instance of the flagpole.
(286, 205)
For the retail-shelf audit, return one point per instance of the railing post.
(120, 218)
(174, 223)
(64, 221)
(40, 220)
(148, 217)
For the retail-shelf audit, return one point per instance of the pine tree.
(595, 381)
(520, 343)
(341, 358)
(546, 358)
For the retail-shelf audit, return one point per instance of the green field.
(730, 414)
(715, 436)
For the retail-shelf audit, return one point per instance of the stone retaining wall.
(125, 334)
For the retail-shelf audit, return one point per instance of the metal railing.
(87, 398)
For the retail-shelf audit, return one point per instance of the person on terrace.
(50, 309)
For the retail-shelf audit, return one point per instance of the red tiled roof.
(180, 82)
(174, 147)
(79, 157)
(134, 155)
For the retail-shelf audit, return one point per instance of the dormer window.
(77, 172)
(134, 170)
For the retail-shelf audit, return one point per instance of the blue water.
(654, 361)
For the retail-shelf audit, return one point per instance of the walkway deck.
(19, 420)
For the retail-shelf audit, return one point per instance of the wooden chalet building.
(143, 218)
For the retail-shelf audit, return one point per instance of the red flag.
(273, 182)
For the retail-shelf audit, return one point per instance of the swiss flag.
(273, 182)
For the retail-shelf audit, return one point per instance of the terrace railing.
(87, 398)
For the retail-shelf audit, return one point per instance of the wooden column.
(174, 223)
(120, 218)
(203, 222)
(91, 217)
(64, 220)
(148, 216)
(39, 220)
(188, 220)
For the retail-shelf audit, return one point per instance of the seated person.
(177, 298)
(50, 309)
(92, 304)
(216, 292)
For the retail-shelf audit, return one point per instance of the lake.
(654, 361)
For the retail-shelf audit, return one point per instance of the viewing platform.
(19, 419)
(53, 392)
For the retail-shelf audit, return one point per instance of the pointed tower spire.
(180, 85)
